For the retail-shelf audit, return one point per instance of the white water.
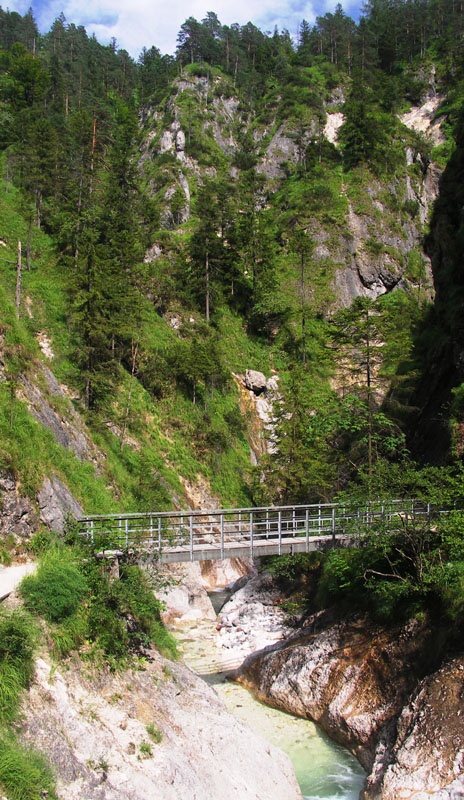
(325, 771)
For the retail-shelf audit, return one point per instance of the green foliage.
(368, 133)
(17, 642)
(154, 733)
(6, 547)
(145, 750)
(24, 773)
(10, 691)
(56, 589)
(110, 620)
(294, 573)
(400, 568)
(123, 616)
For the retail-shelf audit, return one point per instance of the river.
(325, 771)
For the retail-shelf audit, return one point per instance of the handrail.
(203, 534)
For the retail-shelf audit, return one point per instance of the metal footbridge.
(174, 536)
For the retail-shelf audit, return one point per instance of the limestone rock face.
(17, 516)
(216, 574)
(93, 730)
(427, 759)
(185, 599)
(362, 685)
(56, 504)
(352, 679)
(67, 428)
(252, 618)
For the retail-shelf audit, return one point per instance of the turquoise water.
(324, 770)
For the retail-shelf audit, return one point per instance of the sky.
(136, 24)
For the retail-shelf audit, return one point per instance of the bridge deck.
(246, 532)
(288, 545)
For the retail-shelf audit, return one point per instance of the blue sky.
(142, 23)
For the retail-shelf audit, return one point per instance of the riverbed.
(325, 771)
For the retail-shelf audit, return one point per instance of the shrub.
(69, 636)
(10, 691)
(107, 628)
(57, 588)
(137, 600)
(124, 615)
(119, 618)
(154, 733)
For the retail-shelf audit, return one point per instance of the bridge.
(175, 536)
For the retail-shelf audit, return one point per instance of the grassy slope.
(159, 442)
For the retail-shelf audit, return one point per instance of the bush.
(57, 588)
(124, 616)
(107, 628)
(10, 692)
(119, 618)
(137, 600)
(294, 572)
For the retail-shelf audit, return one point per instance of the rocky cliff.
(157, 731)
(443, 339)
(363, 232)
(366, 687)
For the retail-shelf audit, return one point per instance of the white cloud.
(142, 23)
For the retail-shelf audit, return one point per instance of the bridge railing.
(189, 530)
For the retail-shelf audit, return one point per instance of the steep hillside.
(435, 438)
(252, 205)
(232, 277)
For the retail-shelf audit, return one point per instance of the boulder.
(255, 381)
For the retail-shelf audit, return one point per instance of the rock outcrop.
(18, 518)
(63, 421)
(57, 504)
(427, 759)
(365, 686)
(158, 732)
(185, 597)
(252, 618)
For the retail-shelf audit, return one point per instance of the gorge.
(232, 278)
(363, 684)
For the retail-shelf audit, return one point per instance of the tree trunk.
(207, 284)
(18, 279)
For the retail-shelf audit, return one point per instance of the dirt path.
(10, 577)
